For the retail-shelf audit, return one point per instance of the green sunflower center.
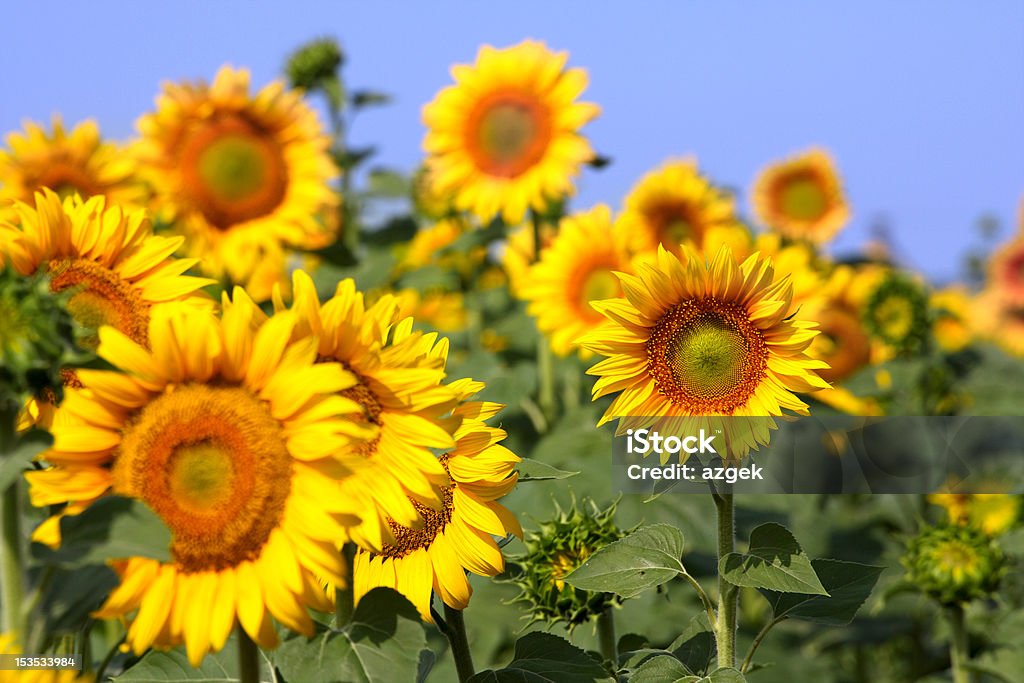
(706, 356)
(803, 198)
(200, 475)
(509, 134)
(599, 284)
(895, 317)
(233, 167)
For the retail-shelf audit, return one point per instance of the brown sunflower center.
(100, 297)
(67, 180)
(233, 171)
(842, 343)
(706, 356)
(598, 284)
(212, 462)
(368, 401)
(674, 224)
(803, 198)
(508, 134)
(434, 522)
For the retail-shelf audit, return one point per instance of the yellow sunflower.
(578, 268)
(675, 205)
(243, 176)
(951, 324)
(999, 319)
(801, 197)
(69, 163)
(458, 537)
(441, 310)
(693, 339)
(231, 434)
(9, 646)
(1006, 271)
(993, 513)
(518, 253)
(506, 136)
(398, 386)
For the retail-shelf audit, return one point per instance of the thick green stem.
(606, 636)
(344, 596)
(725, 626)
(11, 562)
(456, 633)
(958, 653)
(248, 658)
(545, 363)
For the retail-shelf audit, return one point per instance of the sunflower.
(998, 318)
(575, 270)
(518, 253)
(801, 197)
(398, 386)
(951, 323)
(675, 205)
(993, 513)
(243, 176)
(9, 646)
(1006, 270)
(457, 537)
(694, 339)
(231, 434)
(69, 163)
(505, 136)
(441, 310)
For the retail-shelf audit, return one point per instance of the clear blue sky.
(921, 102)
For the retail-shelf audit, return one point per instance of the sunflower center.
(842, 344)
(67, 180)
(233, 171)
(803, 198)
(434, 522)
(364, 396)
(213, 463)
(706, 356)
(100, 297)
(509, 133)
(598, 284)
(894, 317)
(956, 558)
(674, 224)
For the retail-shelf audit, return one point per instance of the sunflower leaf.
(848, 583)
(546, 658)
(534, 470)
(774, 561)
(25, 448)
(642, 560)
(111, 528)
(174, 667)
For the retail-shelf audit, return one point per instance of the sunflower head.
(559, 546)
(896, 313)
(505, 136)
(954, 564)
(692, 340)
(75, 162)
(245, 176)
(951, 322)
(801, 197)
(993, 513)
(315, 65)
(1006, 270)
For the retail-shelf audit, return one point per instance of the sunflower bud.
(954, 564)
(896, 313)
(553, 552)
(315, 65)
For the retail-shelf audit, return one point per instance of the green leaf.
(366, 98)
(534, 470)
(396, 231)
(111, 528)
(727, 675)
(429, 278)
(774, 561)
(644, 559)
(848, 583)
(545, 658)
(72, 595)
(26, 447)
(695, 645)
(382, 182)
(352, 157)
(384, 642)
(173, 667)
(662, 669)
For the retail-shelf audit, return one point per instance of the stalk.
(958, 653)
(606, 636)
(11, 575)
(545, 363)
(456, 633)
(344, 598)
(248, 658)
(725, 626)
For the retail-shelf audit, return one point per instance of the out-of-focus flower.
(954, 564)
(443, 311)
(519, 253)
(315, 65)
(457, 537)
(993, 513)
(896, 313)
(801, 197)
(577, 269)
(951, 326)
(505, 137)
(243, 176)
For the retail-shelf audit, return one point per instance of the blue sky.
(922, 103)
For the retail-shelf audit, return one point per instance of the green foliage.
(26, 447)
(111, 528)
(848, 585)
(642, 560)
(535, 470)
(173, 667)
(773, 561)
(544, 658)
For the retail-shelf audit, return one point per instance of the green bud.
(954, 564)
(555, 550)
(897, 314)
(315, 65)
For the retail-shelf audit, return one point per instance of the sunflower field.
(272, 412)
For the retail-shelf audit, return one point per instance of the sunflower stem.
(958, 652)
(344, 597)
(545, 363)
(606, 636)
(459, 643)
(725, 626)
(11, 576)
(248, 658)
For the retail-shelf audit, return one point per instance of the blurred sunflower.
(951, 323)
(243, 176)
(116, 270)
(231, 434)
(1006, 271)
(398, 376)
(993, 513)
(996, 317)
(505, 137)
(575, 270)
(441, 310)
(8, 646)
(675, 205)
(693, 339)
(801, 197)
(458, 537)
(519, 254)
(69, 163)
